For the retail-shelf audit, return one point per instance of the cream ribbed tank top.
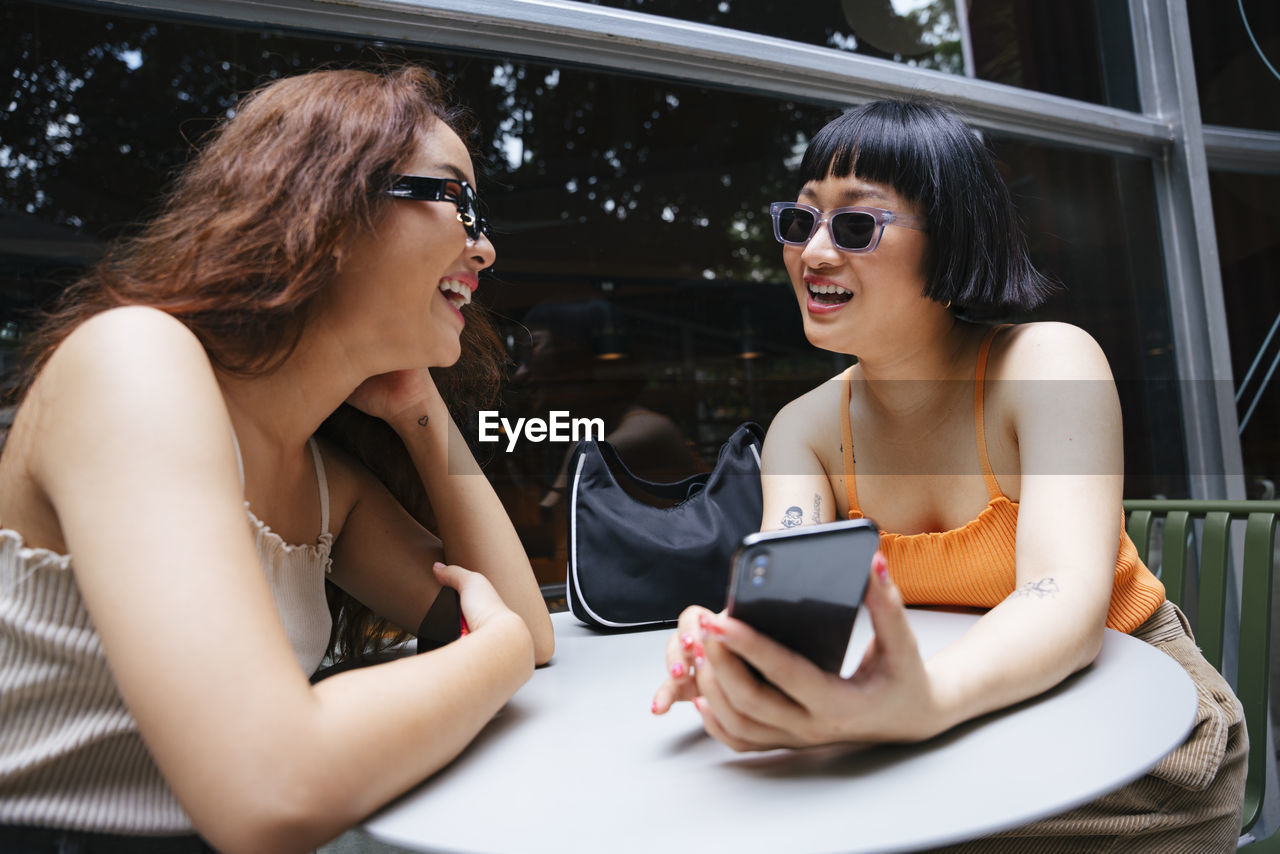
(70, 752)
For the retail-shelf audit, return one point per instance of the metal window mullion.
(620, 40)
(1166, 82)
(1166, 78)
(1242, 150)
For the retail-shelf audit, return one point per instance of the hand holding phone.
(803, 587)
(444, 622)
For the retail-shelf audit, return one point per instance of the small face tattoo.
(422, 422)
(793, 518)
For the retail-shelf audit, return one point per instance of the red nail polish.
(707, 624)
(881, 566)
(677, 670)
(699, 654)
(686, 641)
(653, 707)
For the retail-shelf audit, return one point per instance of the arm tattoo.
(1041, 589)
(422, 422)
(793, 517)
(817, 508)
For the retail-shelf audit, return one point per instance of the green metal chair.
(1254, 644)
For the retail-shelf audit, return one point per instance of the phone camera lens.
(759, 569)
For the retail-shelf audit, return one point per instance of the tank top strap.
(235, 443)
(324, 485)
(979, 421)
(846, 446)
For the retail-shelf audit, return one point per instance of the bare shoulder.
(808, 413)
(129, 342)
(126, 410)
(132, 358)
(1049, 351)
(132, 372)
(810, 424)
(1057, 393)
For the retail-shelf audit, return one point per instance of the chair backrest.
(1254, 644)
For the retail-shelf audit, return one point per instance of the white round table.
(576, 763)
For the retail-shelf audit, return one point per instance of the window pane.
(1091, 225)
(1246, 213)
(1081, 50)
(1236, 74)
(926, 33)
(637, 277)
(1075, 49)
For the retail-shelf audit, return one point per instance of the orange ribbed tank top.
(975, 565)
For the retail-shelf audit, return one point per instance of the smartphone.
(444, 622)
(803, 587)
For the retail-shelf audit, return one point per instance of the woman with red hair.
(168, 519)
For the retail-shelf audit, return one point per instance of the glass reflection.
(925, 33)
(635, 209)
(1236, 46)
(1061, 47)
(1246, 214)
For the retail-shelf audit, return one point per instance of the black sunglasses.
(853, 229)
(420, 189)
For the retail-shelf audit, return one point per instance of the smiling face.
(405, 282)
(848, 300)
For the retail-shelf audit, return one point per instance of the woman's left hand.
(396, 394)
(889, 698)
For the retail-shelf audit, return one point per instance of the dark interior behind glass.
(637, 277)
(1079, 49)
(1236, 46)
(1246, 213)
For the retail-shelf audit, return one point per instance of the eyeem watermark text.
(558, 427)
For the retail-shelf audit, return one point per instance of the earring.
(948, 304)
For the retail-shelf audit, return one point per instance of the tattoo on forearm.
(1041, 589)
(793, 517)
(422, 422)
(817, 508)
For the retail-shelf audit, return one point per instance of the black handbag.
(633, 565)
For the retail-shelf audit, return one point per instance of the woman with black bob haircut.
(972, 443)
(977, 257)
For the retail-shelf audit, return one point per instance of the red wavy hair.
(244, 241)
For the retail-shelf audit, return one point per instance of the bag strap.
(618, 470)
(748, 437)
(602, 460)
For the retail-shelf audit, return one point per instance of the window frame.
(1167, 132)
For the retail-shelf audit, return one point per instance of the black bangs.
(876, 142)
(977, 256)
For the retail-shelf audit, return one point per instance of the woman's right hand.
(399, 398)
(480, 603)
(684, 654)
